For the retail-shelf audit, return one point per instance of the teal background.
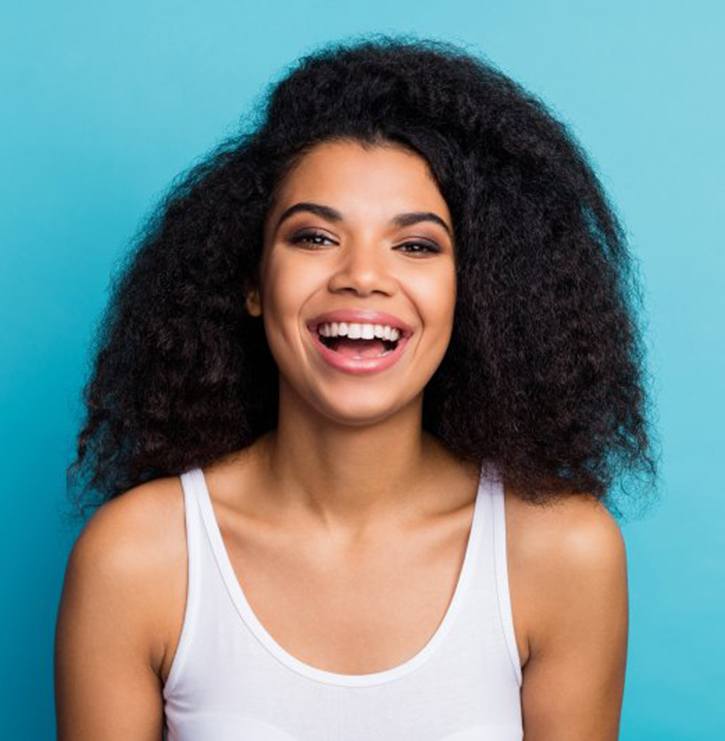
(104, 103)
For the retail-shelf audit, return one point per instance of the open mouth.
(359, 348)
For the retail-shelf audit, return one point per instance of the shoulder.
(567, 561)
(131, 530)
(569, 599)
(128, 560)
(572, 531)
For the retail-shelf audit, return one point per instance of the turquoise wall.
(103, 103)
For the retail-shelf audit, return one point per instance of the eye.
(424, 247)
(411, 248)
(312, 238)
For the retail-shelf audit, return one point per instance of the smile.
(359, 351)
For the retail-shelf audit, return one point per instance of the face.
(355, 252)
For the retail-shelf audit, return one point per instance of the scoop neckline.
(243, 607)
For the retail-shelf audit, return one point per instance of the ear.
(253, 302)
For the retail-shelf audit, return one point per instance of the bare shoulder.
(123, 588)
(136, 543)
(568, 579)
(566, 558)
(575, 531)
(133, 531)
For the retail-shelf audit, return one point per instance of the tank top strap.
(194, 551)
(498, 533)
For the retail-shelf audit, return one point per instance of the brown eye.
(421, 247)
(311, 238)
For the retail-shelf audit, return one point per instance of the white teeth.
(355, 330)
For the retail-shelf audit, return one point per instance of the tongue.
(359, 348)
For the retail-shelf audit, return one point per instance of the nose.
(363, 269)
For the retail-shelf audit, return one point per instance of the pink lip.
(360, 366)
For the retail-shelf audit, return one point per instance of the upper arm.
(574, 679)
(106, 637)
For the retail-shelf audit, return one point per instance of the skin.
(309, 509)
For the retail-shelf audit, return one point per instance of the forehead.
(367, 181)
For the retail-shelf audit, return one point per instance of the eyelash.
(429, 247)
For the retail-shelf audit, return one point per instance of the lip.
(360, 366)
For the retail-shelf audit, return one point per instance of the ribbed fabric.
(231, 681)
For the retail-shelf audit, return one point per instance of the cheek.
(434, 294)
(289, 284)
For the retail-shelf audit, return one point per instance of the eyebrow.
(332, 214)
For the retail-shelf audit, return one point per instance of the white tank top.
(231, 681)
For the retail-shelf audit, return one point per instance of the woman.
(355, 415)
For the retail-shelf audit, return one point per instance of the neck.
(345, 477)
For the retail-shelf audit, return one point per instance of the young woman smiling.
(355, 416)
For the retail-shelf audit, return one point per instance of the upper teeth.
(358, 331)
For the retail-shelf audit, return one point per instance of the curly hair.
(544, 373)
